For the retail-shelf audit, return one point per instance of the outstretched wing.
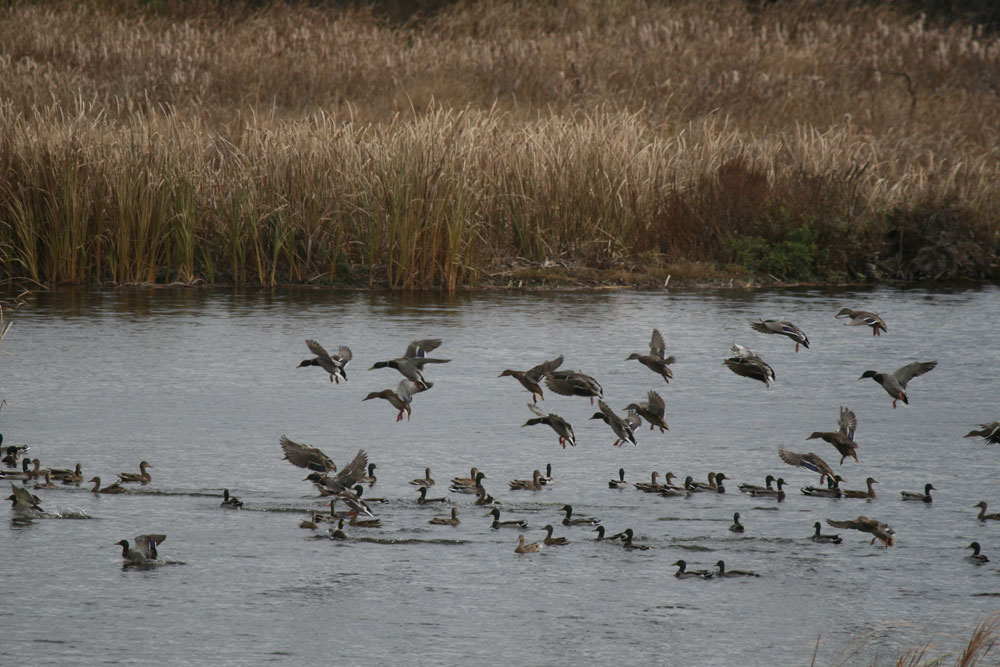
(910, 371)
(656, 345)
(317, 349)
(420, 348)
(306, 456)
(848, 422)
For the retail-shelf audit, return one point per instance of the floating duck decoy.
(820, 537)
(863, 318)
(721, 571)
(529, 548)
(534, 484)
(530, 378)
(344, 480)
(684, 573)
(424, 500)
(550, 541)
(426, 480)
(653, 410)
(784, 328)
(656, 360)
(400, 398)
(877, 529)
(142, 477)
(306, 456)
(411, 364)
(746, 363)
(443, 521)
(924, 497)
(869, 494)
(335, 365)
(623, 428)
(509, 523)
(808, 461)
(989, 432)
(983, 516)
(626, 538)
(568, 520)
(143, 552)
(976, 557)
(114, 488)
(737, 527)
(562, 427)
(230, 501)
(619, 483)
(842, 439)
(573, 383)
(895, 383)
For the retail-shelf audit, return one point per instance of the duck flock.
(348, 507)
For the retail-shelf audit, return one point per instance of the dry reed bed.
(300, 143)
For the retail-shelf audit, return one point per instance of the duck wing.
(848, 422)
(657, 347)
(537, 372)
(319, 350)
(910, 371)
(420, 348)
(306, 456)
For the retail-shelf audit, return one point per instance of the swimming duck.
(924, 497)
(47, 484)
(777, 493)
(23, 500)
(832, 489)
(474, 488)
(443, 521)
(668, 490)
(568, 520)
(550, 541)
(751, 488)
(529, 548)
(547, 478)
(424, 500)
(808, 461)
(343, 480)
(530, 378)
(723, 572)
(510, 523)
(714, 483)
(655, 360)
(400, 398)
(14, 452)
(622, 428)
(370, 478)
(828, 538)
(842, 439)
(334, 365)
(652, 486)
(747, 364)
(483, 498)
(311, 523)
(652, 410)
(863, 317)
(600, 535)
(895, 383)
(737, 527)
(619, 483)
(784, 328)
(144, 550)
(573, 383)
(411, 364)
(365, 523)
(426, 480)
(869, 494)
(976, 557)
(359, 491)
(67, 476)
(142, 477)
(874, 527)
(562, 427)
(230, 501)
(684, 573)
(472, 480)
(534, 484)
(26, 472)
(626, 538)
(338, 532)
(306, 456)
(983, 516)
(110, 488)
(989, 432)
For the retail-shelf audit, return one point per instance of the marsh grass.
(176, 142)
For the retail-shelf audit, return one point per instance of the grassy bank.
(495, 143)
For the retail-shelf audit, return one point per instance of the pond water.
(202, 384)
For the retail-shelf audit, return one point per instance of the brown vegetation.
(222, 141)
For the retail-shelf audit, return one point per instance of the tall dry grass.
(305, 143)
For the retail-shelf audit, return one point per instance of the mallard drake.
(534, 484)
(335, 365)
(338, 532)
(29, 470)
(684, 573)
(863, 317)
(370, 478)
(424, 500)
(737, 527)
(623, 428)
(426, 480)
(144, 550)
(668, 490)
(895, 383)
(562, 427)
(400, 398)
(445, 521)
(976, 557)
(573, 383)
(820, 537)
(311, 523)
(547, 477)
(530, 378)
(600, 534)
(777, 493)
(652, 486)
(745, 362)
(359, 491)
(67, 476)
(306, 456)
(411, 364)
(842, 439)
(568, 520)
(924, 497)
(483, 498)
(784, 328)
(474, 488)
(832, 489)
(343, 480)
(550, 541)
(510, 523)
(721, 571)
(652, 410)
(142, 477)
(355, 505)
(983, 516)
(626, 538)
(23, 501)
(472, 480)
(808, 461)
(656, 360)
(14, 452)
(230, 501)
(874, 527)
(989, 432)
(619, 483)
(870, 493)
(110, 488)
(751, 488)
(712, 485)
(529, 548)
